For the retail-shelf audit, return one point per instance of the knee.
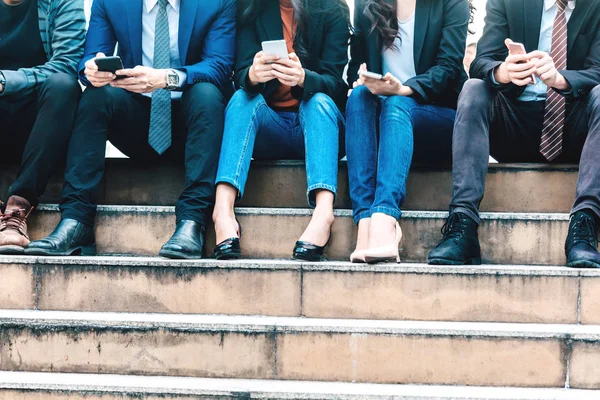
(62, 84)
(397, 106)
(321, 104)
(203, 97)
(244, 100)
(475, 93)
(358, 99)
(594, 101)
(98, 96)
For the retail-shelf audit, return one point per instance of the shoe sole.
(174, 255)
(442, 261)
(308, 259)
(379, 260)
(12, 250)
(582, 264)
(86, 251)
(229, 256)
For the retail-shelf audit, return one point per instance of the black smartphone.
(110, 64)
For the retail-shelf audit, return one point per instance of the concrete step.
(510, 187)
(506, 238)
(53, 386)
(293, 289)
(241, 347)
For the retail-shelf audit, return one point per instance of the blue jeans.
(381, 135)
(253, 129)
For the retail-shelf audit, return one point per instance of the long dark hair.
(304, 10)
(382, 14)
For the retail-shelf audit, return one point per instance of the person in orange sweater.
(286, 109)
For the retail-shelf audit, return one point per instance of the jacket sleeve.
(328, 78)
(248, 44)
(358, 44)
(219, 48)
(491, 50)
(67, 48)
(449, 61)
(100, 37)
(583, 81)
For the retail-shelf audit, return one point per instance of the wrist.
(561, 83)
(302, 78)
(501, 74)
(162, 78)
(252, 76)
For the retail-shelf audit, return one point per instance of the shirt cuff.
(182, 78)
(493, 77)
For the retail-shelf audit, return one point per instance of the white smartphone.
(370, 75)
(276, 48)
(518, 48)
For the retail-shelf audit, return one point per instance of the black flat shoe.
(187, 242)
(230, 249)
(70, 237)
(305, 251)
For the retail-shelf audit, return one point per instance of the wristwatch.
(172, 80)
(2, 82)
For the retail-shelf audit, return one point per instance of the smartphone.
(276, 48)
(109, 64)
(518, 48)
(370, 75)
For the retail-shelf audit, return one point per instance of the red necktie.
(556, 105)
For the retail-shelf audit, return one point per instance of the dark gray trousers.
(488, 123)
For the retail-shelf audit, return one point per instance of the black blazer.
(327, 46)
(521, 21)
(441, 28)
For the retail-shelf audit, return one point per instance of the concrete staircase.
(129, 327)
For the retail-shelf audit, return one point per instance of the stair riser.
(48, 395)
(359, 357)
(507, 189)
(504, 241)
(429, 296)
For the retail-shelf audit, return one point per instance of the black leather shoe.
(230, 249)
(186, 243)
(70, 237)
(581, 246)
(459, 245)
(305, 251)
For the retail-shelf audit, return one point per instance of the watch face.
(173, 80)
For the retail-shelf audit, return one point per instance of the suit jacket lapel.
(135, 8)
(582, 8)
(422, 15)
(532, 23)
(270, 21)
(187, 20)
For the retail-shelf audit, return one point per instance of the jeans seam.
(246, 140)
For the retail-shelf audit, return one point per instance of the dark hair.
(382, 14)
(304, 10)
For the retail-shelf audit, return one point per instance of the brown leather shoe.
(13, 226)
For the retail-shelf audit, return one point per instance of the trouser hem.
(475, 217)
(392, 212)
(311, 195)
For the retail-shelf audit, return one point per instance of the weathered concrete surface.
(48, 395)
(590, 300)
(585, 365)
(509, 187)
(271, 233)
(17, 287)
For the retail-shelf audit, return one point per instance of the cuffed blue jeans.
(382, 134)
(254, 130)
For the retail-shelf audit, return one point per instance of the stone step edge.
(291, 265)
(53, 320)
(305, 212)
(269, 389)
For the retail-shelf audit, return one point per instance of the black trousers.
(123, 118)
(488, 123)
(35, 131)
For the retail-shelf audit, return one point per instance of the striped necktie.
(159, 136)
(556, 105)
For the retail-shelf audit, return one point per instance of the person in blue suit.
(167, 103)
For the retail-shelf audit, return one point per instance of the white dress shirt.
(400, 59)
(148, 25)
(538, 91)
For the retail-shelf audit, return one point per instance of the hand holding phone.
(370, 75)
(517, 68)
(93, 73)
(276, 48)
(519, 49)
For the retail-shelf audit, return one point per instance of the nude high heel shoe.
(358, 257)
(385, 254)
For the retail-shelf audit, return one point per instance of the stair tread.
(265, 324)
(161, 385)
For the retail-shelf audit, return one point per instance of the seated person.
(539, 104)
(168, 105)
(41, 42)
(286, 109)
(410, 110)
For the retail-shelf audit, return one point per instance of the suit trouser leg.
(488, 123)
(101, 110)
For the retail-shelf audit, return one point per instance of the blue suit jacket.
(206, 37)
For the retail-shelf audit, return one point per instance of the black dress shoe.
(186, 243)
(305, 251)
(581, 246)
(230, 249)
(70, 237)
(459, 245)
